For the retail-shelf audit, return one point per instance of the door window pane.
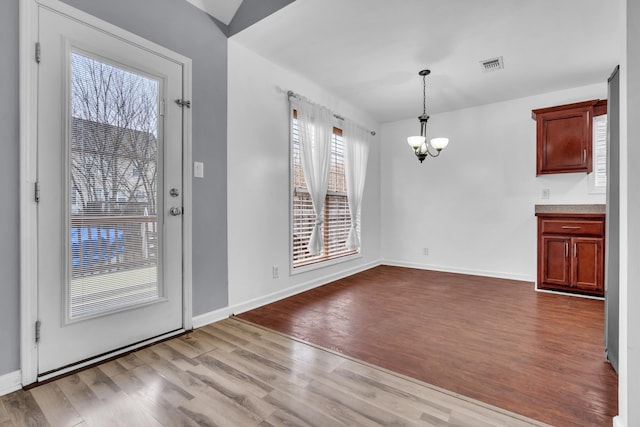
(113, 152)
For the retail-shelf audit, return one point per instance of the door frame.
(28, 173)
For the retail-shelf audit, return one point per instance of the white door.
(109, 172)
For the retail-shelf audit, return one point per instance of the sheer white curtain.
(356, 154)
(315, 128)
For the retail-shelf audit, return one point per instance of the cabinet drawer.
(564, 226)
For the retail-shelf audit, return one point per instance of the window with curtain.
(336, 217)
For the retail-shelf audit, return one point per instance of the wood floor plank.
(221, 412)
(162, 410)
(176, 357)
(403, 404)
(217, 365)
(303, 408)
(150, 398)
(112, 368)
(99, 382)
(494, 340)
(5, 417)
(188, 351)
(23, 409)
(268, 374)
(222, 332)
(360, 407)
(233, 391)
(120, 410)
(130, 361)
(55, 406)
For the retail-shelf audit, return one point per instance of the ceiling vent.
(493, 64)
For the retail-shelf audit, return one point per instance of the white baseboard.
(211, 317)
(10, 382)
(568, 294)
(446, 269)
(617, 421)
(217, 315)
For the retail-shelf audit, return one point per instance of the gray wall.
(179, 26)
(9, 177)
(252, 11)
(176, 25)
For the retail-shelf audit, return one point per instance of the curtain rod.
(291, 93)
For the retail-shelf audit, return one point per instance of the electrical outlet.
(545, 193)
(425, 251)
(275, 272)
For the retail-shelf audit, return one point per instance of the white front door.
(110, 182)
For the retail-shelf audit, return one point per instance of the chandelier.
(419, 143)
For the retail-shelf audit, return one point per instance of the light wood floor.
(233, 373)
(495, 340)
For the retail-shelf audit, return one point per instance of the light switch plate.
(198, 170)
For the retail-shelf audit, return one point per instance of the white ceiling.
(369, 52)
(222, 10)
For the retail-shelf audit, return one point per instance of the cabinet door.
(555, 258)
(587, 271)
(564, 141)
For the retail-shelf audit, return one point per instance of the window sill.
(322, 264)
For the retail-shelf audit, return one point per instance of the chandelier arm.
(430, 153)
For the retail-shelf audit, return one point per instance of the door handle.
(175, 211)
(566, 249)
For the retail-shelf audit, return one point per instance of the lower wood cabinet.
(571, 252)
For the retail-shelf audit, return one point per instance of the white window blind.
(337, 221)
(112, 228)
(598, 177)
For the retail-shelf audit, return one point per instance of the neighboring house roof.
(87, 135)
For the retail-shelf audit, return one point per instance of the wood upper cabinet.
(571, 253)
(564, 136)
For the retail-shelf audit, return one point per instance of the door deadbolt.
(174, 192)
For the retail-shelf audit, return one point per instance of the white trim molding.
(187, 199)
(28, 177)
(217, 315)
(10, 382)
(28, 169)
(448, 269)
(617, 421)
